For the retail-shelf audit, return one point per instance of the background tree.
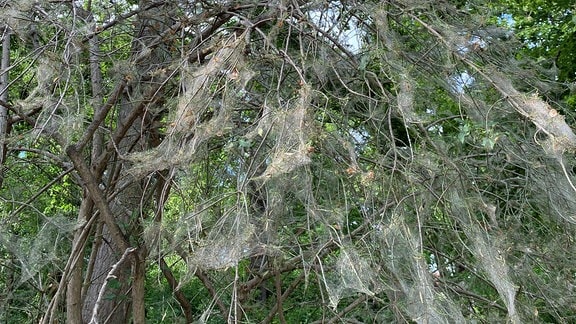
(547, 31)
(298, 161)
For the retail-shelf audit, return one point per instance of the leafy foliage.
(547, 31)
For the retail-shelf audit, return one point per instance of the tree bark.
(4, 65)
(184, 303)
(75, 284)
(4, 79)
(127, 207)
(138, 289)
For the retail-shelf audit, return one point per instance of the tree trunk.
(138, 278)
(4, 65)
(128, 206)
(74, 287)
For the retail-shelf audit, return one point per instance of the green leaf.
(464, 132)
(488, 143)
(244, 143)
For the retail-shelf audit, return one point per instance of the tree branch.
(97, 196)
(284, 296)
(101, 115)
(182, 300)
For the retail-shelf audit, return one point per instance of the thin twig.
(39, 192)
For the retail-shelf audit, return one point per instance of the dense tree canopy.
(548, 30)
(287, 161)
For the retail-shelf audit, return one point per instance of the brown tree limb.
(75, 297)
(75, 256)
(458, 290)
(348, 308)
(283, 297)
(91, 185)
(101, 115)
(4, 125)
(182, 300)
(20, 114)
(138, 286)
(98, 240)
(208, 284)
(279, 297)
(77, 286)
(204, 279)
(126, 123)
